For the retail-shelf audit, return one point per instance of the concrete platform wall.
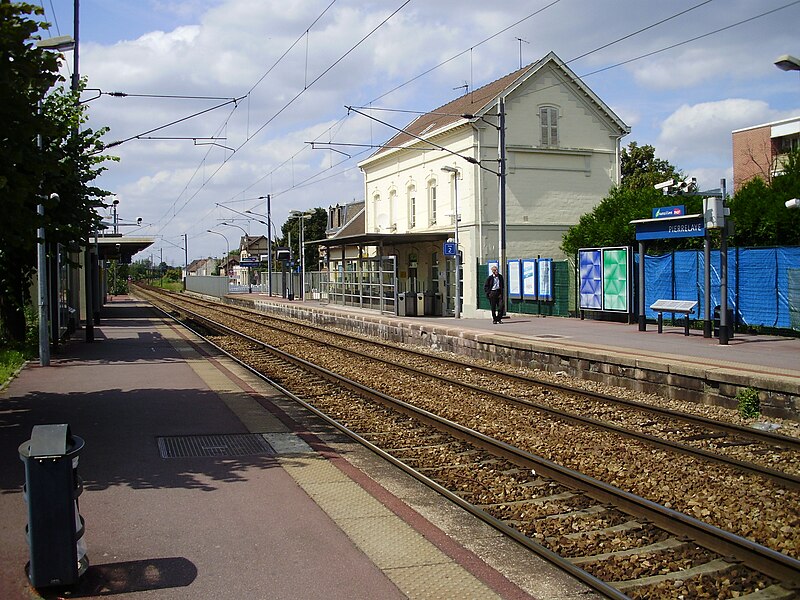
(712, 385)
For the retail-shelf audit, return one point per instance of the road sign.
(450, 249)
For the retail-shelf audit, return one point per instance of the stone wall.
(780, 397)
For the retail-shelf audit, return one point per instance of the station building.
(562, 155)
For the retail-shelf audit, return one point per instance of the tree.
(642, 170)
(42, 152)
(758, 209)
(609, 223)
(313, 229)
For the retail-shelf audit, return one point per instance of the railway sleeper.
(668, 544)
(714, 567)
(624, 527)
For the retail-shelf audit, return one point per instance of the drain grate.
(237, 444)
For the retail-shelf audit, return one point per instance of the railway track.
(620, 543)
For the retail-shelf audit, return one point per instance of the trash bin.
(420, 300)
(52, 486)
(406, 304)
(717, 321)
(430, 304)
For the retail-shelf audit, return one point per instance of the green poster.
(615, 279)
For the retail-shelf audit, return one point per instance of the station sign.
(680, 227)
(450, 249)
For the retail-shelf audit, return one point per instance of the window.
(548, 119)
(412, 207)
(432, 200)
(392, 204)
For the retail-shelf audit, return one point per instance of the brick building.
(759, 151)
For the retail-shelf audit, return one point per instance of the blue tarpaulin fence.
(761, 283)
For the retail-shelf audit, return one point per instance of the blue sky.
(680, 94)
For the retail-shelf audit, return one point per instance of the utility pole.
(501, 113)
(269, 247)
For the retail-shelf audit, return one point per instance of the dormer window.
(548, 120)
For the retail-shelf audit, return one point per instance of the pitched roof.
(481, 100)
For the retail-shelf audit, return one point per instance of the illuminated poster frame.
(544, 278)
(590, 279)
(529, 289)
(617, 279)
(514, 279)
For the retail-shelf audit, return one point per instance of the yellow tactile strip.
(416, 566)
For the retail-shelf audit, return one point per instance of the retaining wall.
(713, 385)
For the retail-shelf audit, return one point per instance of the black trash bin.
(730, 323)
(430, 304)
(52, 486)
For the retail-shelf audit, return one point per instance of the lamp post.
(227, 245)
(246, 235)
(269, 243)
(58, 44)
(454, 171)
(301, 217)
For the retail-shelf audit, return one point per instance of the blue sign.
(657, 229)
(668, 211)
(249, 262)
(450, 249)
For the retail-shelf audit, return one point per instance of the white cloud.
(685, 101)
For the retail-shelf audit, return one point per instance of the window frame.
(548, 125)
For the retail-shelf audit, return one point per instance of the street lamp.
(793, 203)
(301, 217)
(227, 245)
(454, 171)
(58, 44)
(787, 62)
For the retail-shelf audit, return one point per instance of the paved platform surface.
(762, 354)
(314, 516)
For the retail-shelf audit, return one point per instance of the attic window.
(548, 120)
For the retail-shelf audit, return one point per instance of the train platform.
(202, 481)
(758, 354)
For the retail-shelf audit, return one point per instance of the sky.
(225, 96)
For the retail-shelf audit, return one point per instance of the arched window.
(548, 120)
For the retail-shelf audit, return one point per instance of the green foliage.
(313, 229)
(759, 212)
(749, 403)
(609, 223)
(641, 169)
(43, 152)
(13, 353)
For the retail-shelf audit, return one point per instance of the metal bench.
(684, 307)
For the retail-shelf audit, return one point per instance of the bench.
(685, 307)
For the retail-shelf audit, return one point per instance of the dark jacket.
(487, 286)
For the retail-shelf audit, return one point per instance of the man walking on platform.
(494, 291)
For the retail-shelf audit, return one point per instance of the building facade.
(759, 151)
(562, 148)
